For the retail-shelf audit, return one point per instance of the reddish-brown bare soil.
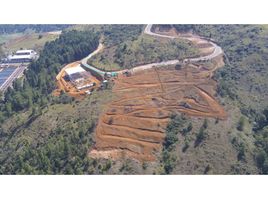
(134, 123)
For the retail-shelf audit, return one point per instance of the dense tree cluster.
(261, 135)
(184, 27)
(176, 125)
(64, 152)
(115, 34)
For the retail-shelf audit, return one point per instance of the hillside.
(14, 37)
(143, 50)
(27, 41)
(243, 81)
(191, 120)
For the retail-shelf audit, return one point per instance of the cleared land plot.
(134, 123)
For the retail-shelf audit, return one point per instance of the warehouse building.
(22, 56)
(79, 77)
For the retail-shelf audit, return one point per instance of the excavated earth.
(133, 125)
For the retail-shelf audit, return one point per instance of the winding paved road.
(216, 52)
(217, 49)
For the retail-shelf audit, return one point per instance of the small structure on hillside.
(79, 77)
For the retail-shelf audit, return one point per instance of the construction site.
(134, 123)
(74, 80)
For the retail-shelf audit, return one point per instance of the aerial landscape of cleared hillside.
(163, 99)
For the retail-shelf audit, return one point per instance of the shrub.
(241, 123)
(200, 136)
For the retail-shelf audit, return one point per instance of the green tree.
(200, 136)
(205, 124)
(241, 123)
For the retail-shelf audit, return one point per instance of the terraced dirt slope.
(134, 123)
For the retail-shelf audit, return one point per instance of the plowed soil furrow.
(141, 123)
(148, 113)
(140, 115)
(134, 133)
(128, 143)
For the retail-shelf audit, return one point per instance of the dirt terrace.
(134, 124)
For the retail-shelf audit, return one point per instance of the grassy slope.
(246, 73)
(28, 41)
(6, 37)
(218, 150)
(242, 82)
(145, 49)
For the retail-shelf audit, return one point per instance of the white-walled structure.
(22, 56)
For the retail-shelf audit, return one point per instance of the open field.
(6, 37)
(134, 123)
(28, 41)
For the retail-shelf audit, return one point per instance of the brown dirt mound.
(134, 123)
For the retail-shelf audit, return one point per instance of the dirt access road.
(134, 124)
(216, 52)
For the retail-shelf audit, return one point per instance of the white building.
(79, 77)
(75, 74)
(22, 56)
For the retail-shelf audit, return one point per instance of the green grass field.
(6, 37)
(27, 41)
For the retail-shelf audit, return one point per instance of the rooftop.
(24, 51)
(73, 70)
(20, 57)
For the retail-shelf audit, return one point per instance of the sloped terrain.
(134, 124)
